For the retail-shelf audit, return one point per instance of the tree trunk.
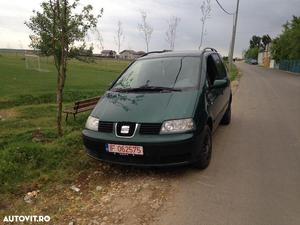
(62, 70)
(59, 96)
(59, 100)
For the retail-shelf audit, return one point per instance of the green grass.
(234, 73)
(20, 86)
(31, 154)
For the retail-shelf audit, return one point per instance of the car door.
(222, 93)
(212, 95)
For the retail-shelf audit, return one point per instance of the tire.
(204, 148)
(227, 116)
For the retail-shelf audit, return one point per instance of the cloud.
(255, 17)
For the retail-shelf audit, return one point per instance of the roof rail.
(211, 49)
(153, 52)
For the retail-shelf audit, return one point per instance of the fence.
(290, 65)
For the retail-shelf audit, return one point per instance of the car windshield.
(169, 73)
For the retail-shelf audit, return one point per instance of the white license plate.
(125, 149)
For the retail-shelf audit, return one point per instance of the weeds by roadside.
(233, 72)
(30, 148)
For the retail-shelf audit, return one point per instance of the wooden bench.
(81, 106)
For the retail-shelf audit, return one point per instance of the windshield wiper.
(147, 89)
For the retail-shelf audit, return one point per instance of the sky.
(256, 17)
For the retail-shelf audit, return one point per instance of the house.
(130, 54)
(127, 54)
(264, 57)
(108, 53)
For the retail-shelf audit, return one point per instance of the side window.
(221, 70)
(211, 70)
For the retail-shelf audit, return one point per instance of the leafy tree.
(256, 45)
(255, 41)
(251, 53)
(265, 40)
(287, 45)
(81, 53)
(55, 29)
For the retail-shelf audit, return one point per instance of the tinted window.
(211, 70)
(221, 71)
(178, 72)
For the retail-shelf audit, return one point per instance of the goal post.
(32, 62)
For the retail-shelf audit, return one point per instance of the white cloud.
(256, 17)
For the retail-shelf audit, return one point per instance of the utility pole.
(231, 50)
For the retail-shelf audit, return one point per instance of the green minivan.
(161, 111)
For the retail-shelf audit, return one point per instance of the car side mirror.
(220, 84)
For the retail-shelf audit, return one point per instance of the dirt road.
(254, 177)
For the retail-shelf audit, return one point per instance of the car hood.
(145, 107)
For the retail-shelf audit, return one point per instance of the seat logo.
(124, 129)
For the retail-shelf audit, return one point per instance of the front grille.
(150, 128)
(125, 129)
(145, 128)
(106, 127)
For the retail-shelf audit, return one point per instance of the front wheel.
(204, 148)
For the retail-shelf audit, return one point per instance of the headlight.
(92, 123)
(177, 126)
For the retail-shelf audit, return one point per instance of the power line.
(224, 9)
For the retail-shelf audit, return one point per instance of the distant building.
(130, 54)
(127, 54)
(264, 58)
(108, 53)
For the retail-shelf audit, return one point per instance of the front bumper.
(159, 150)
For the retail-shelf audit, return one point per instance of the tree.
(205, 11)
(251, 53)
(265, 40)
(119, 38)
(171, 32)
(255, 42)
(287, 45)
(57, 27)
(82, 53)
(256, 45)
(277, 50)
(146, 29)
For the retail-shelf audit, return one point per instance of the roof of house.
(107, 51)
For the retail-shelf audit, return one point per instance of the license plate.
(125, 149)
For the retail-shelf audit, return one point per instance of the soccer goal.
(35, 62)
(32, 62)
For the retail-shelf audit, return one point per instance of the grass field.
(31, 154)
(20, 86)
